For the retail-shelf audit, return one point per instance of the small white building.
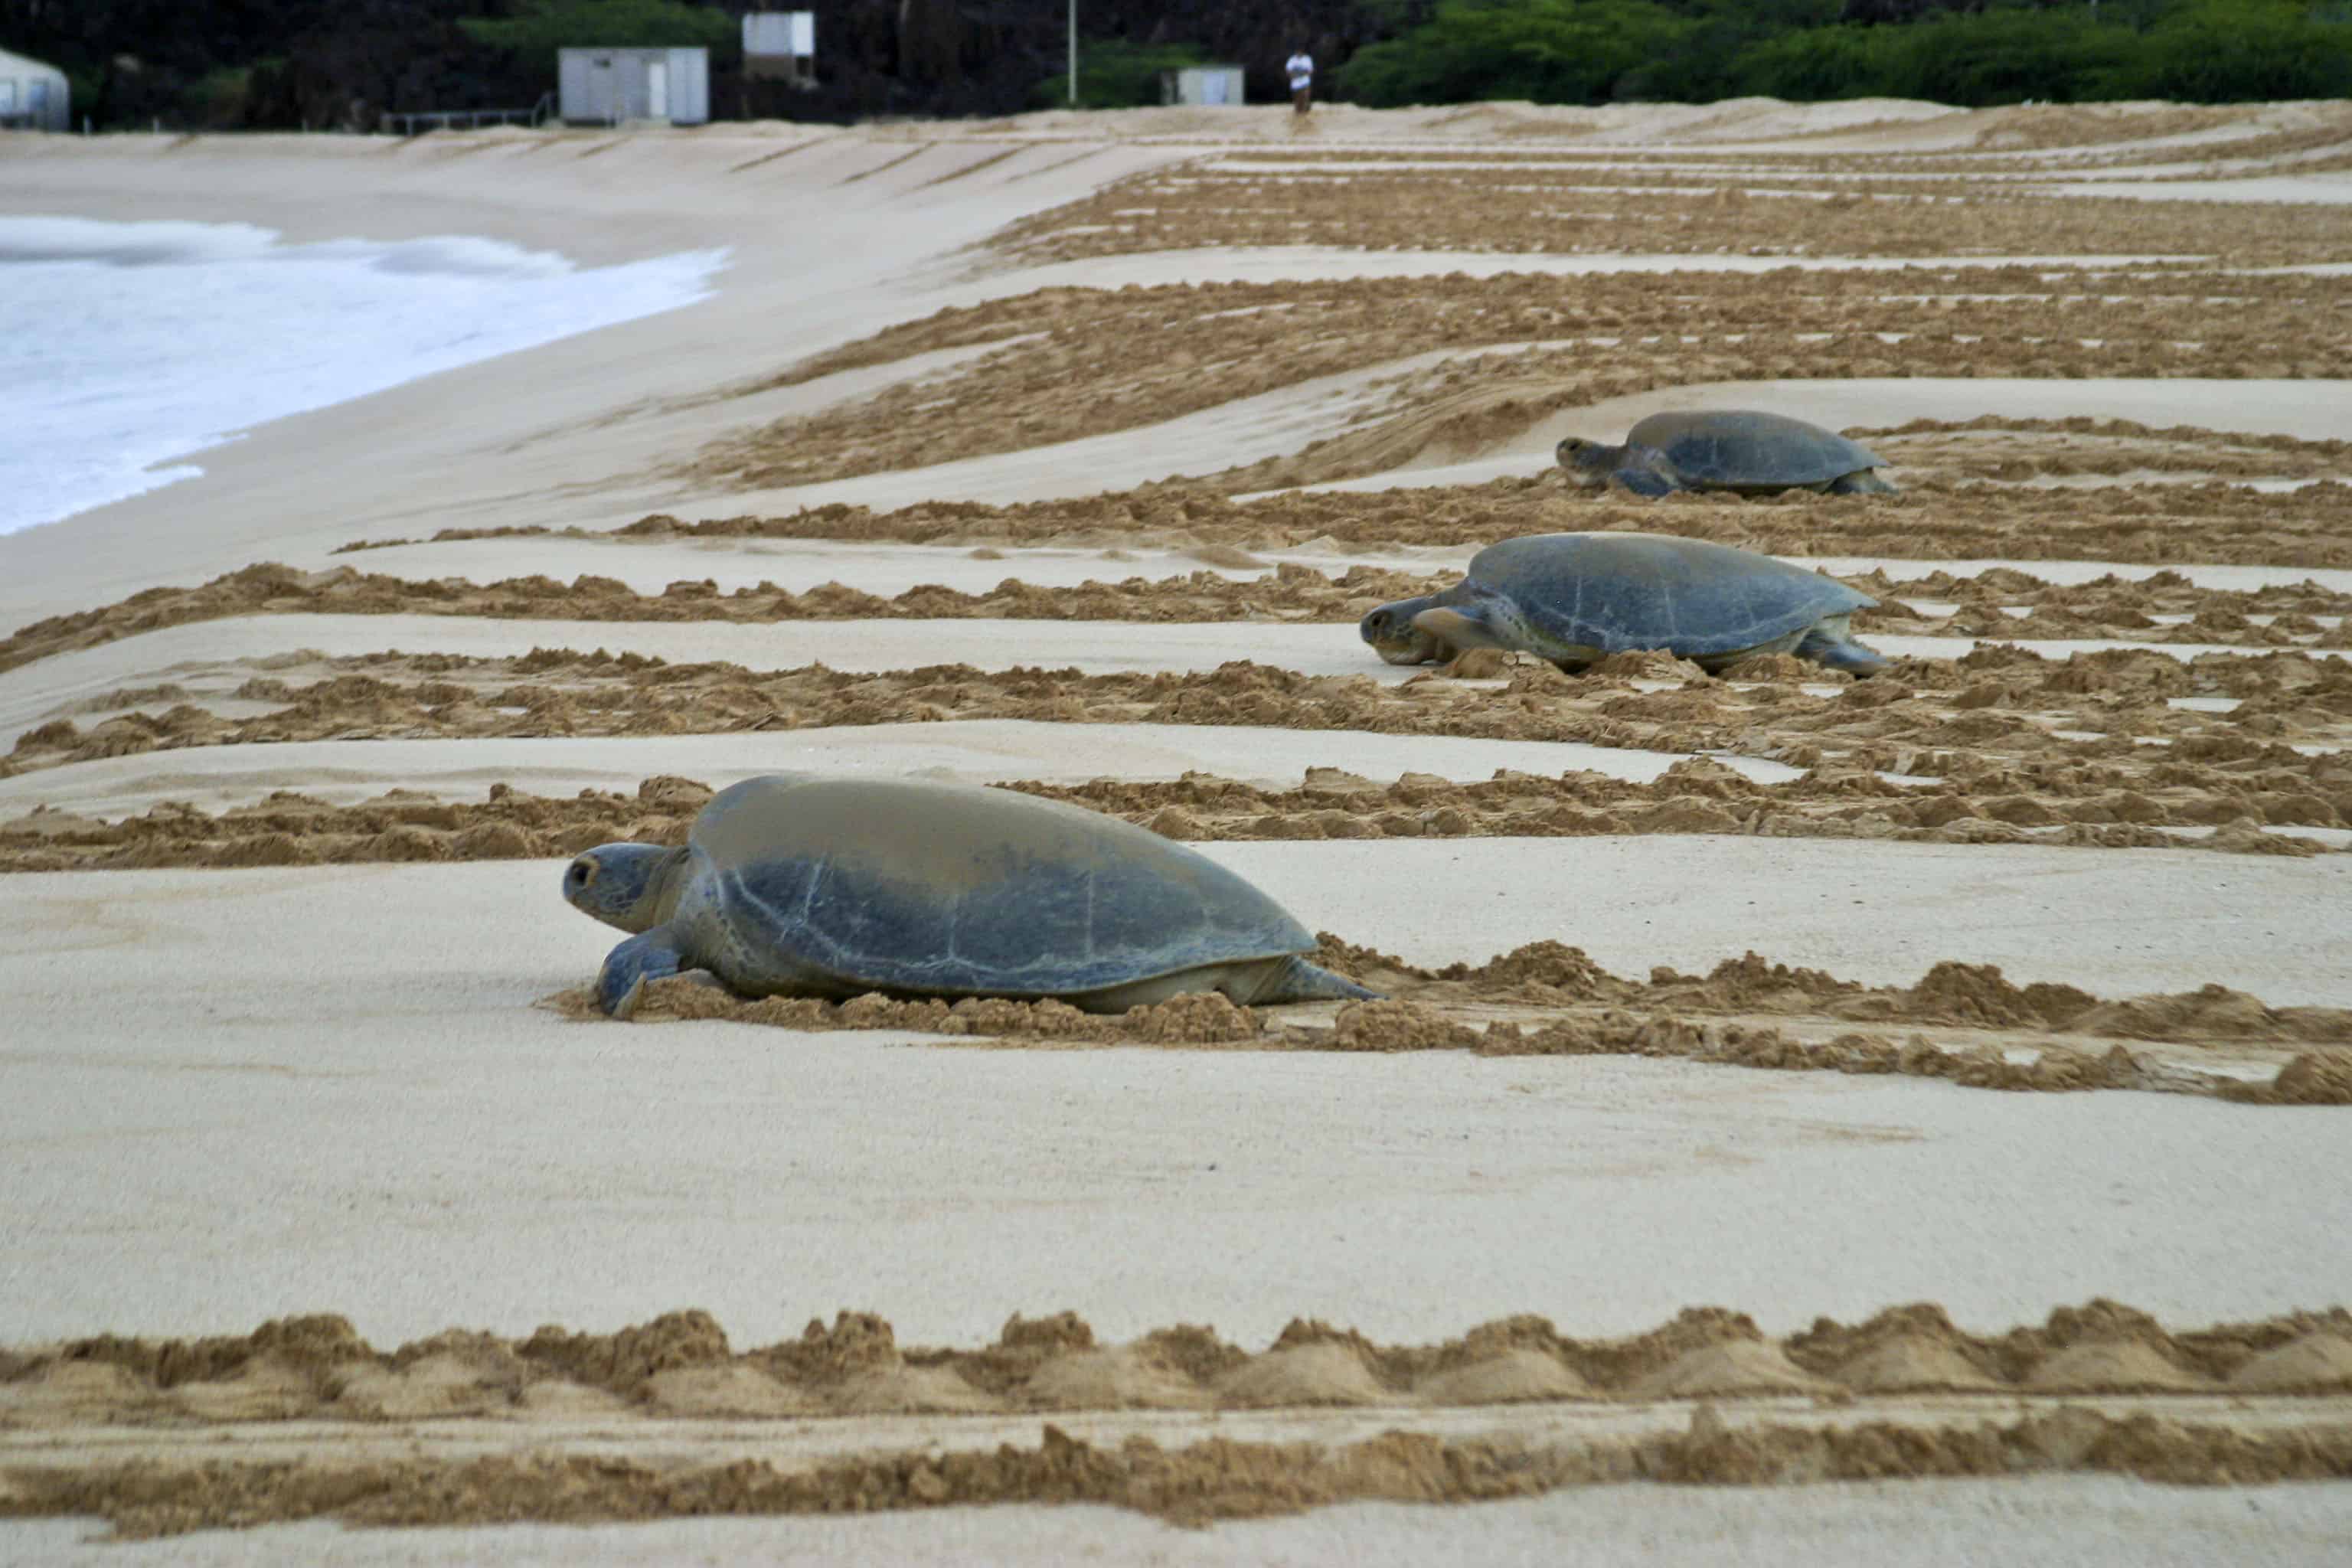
(781, 46)
(33, 96)
(606, 87)
(1205, 85)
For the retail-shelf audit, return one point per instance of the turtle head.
(1394, 637)
(624, 885)
(1587, 463)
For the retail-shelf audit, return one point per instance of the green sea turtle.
(1739, 450)
(791, 884)
(1576, 597)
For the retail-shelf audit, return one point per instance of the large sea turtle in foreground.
(1576, 597)
(1741, 450)
(791, 884)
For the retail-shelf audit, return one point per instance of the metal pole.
(1073, 53)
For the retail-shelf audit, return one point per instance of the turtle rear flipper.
(1838, 651)
(653, 956)
(1300, 981)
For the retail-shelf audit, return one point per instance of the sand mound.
(732, 1390)
(1123, 1377)
(433, 1387)
(1508, 1378)
(1323, 1373)
(1734, 1368)
(2315, 1364)
(925, 1390)
(2127, 1367)
(1909, 1364)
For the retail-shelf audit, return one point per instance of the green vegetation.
(1115, 74)
(223, 95)
(1593, 51)
(192, 65)
(544, 26)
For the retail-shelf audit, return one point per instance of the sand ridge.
(1967, 1025)
(1212, 1480)
(2206, 522)
(1056, 1362)
(1289, 591)
(2126, 748)
(1563, 209)
(490, 1428)
(1061, 372)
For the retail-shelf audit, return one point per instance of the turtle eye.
(582, 872)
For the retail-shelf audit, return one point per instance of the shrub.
(1588, 51)
(1546, 51)
(544, 26)
(2227, 51)
(1116, 74)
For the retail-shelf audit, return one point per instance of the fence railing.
(415, 122)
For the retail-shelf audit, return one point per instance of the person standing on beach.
(1301, 67)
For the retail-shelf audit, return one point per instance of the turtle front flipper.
(1649, 473)
(653, 956)
(1862, 482)
(1496, 620)
(1481, 622)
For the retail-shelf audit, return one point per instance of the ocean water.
(124, 345)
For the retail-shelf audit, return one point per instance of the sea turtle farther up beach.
(796, 885)
(1739, 450)
(1573, 598)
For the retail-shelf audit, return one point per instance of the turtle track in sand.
(1961, 1023)
(668, 1419)
(1940, 518)
(1063, 369)
(1590, 206)
(1935, 518)
(2021, 138)
(2127, 748)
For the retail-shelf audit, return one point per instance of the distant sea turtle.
(795, 885)
(1740, 451)
(1575, 597)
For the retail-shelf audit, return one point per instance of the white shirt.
(1301, 67)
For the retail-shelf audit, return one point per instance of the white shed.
(1208, 85)
(605, 87)
(33, 96)
(780, 46)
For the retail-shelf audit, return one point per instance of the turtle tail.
(1300, 981)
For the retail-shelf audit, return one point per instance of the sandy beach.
(1853, 1118)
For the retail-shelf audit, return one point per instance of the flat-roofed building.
(607, 87)
(33, 96)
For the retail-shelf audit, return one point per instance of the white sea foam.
(125, 346)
